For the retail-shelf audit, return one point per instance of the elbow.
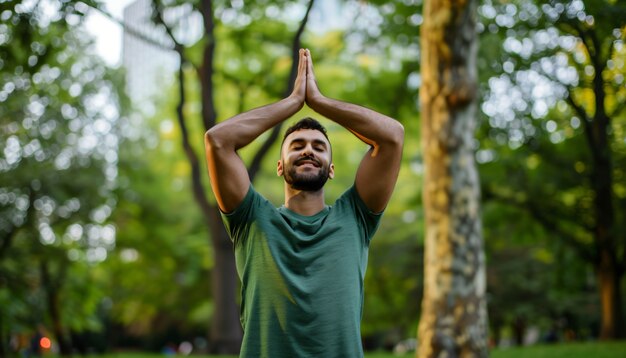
(392, 141)
(400, 131)
(209, 138)
(213, 139)
(397, 134)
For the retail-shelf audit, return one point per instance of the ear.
(331, 171)
(279, 168)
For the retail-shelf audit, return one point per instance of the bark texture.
(454, 315)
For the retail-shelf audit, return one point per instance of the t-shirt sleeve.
(237, 222)
(367, 219)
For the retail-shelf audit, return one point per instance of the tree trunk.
(54, 309)
(607, 266)
(225, 332)
(4, 338)
(519, 330)
(609, 279)
(454, 315)
(599, 140)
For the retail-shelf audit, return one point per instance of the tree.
(454, 317)
(561, 66)
(58, 124)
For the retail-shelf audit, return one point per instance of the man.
(302, 265)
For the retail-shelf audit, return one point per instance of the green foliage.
(58, 117)
(102, 201)
(158, 271)
(536, 75)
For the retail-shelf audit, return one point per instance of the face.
(306, 160)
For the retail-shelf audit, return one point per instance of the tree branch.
(192, 157)
(206, 69)
(255, 164)
(556, 160)
(132, 31)
(621, 105)
(538, 214)
(585, 119)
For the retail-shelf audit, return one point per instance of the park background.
(109, 237)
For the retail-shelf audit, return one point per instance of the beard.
(306, 181)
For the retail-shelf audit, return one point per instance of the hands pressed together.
(305, 88)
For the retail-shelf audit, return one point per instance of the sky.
(108, 34)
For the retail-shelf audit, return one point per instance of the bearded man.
(302, 265)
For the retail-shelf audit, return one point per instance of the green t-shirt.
(302, 276)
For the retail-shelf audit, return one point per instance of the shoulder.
(351, 199)
(252, 202)
(253, 208)
(350, 204)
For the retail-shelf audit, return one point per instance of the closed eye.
(318, 145)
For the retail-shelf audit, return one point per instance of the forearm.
(370, 126)
(242, 129)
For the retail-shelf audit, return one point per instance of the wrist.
(315, 99)
(295, 100)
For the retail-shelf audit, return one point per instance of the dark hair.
(306, 123)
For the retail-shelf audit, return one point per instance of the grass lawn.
(570, 350)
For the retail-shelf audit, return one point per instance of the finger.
(302, 65)
(304, 61)
(309, 64)
(308, 58)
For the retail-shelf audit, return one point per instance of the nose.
(307, 151)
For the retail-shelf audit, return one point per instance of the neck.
(305, 203)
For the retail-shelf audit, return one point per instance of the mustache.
(308, 159)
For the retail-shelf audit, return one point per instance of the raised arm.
(378, 171)
(228, 174)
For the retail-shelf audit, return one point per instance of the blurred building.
(146, 50)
